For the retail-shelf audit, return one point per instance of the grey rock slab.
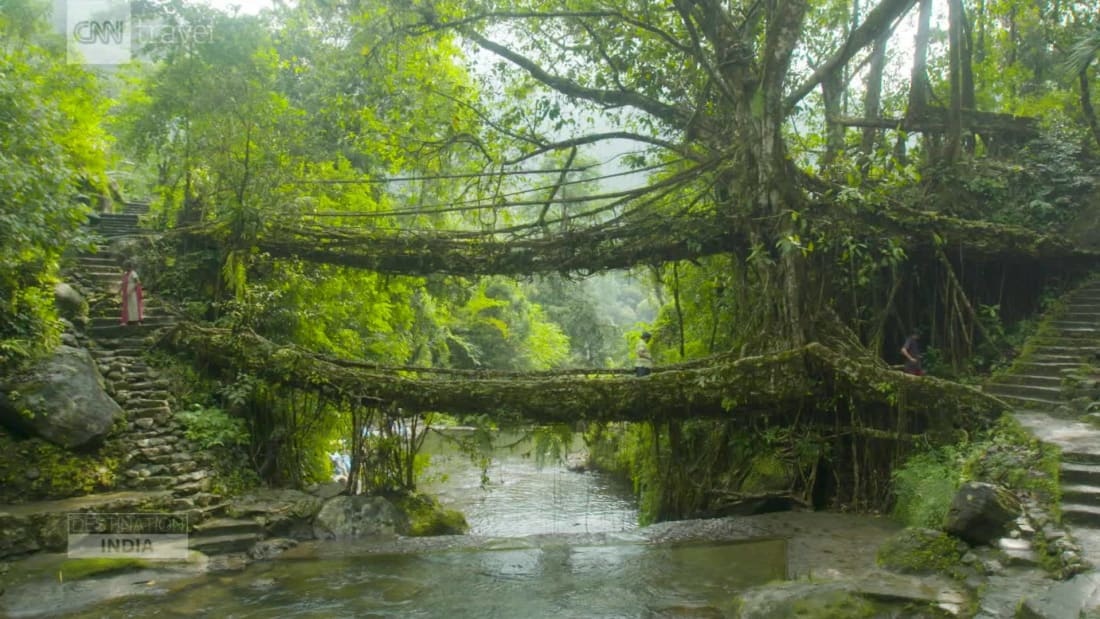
(62, 399)
(350, 517)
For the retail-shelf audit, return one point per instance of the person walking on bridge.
(643, 360)
(911, 351)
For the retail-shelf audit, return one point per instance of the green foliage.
(1005, 455)
(213, 427)
(503, 330)
(52, 148)
(1008, 455)
(552, 443)
(925, 485)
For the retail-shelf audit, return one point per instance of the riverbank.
(702, 564)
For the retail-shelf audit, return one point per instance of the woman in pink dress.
(133, 303)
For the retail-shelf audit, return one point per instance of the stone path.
(1060, 416)
(159, 456)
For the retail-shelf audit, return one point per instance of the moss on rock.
(427, 517)
(75, 569)
(33, 469)
(922, 551)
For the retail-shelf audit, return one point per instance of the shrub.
(924, 487)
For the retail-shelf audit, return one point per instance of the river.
(545, 541)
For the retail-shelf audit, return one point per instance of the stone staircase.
(1035, 387)
(158, 454)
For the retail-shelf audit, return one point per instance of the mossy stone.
(922, 551)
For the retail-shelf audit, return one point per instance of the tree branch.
(672, 115)
(879, 18)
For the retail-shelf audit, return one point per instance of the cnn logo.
(98, 31)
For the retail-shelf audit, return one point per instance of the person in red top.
(133, 302)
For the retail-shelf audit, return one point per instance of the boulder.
(981, 513)
(17, 536)
(61, 399)
(70, 303)
(346, 517)
(282, 512)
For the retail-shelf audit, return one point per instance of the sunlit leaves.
(52, 147)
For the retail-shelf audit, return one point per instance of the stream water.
(544, 542)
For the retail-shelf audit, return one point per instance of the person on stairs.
(133, 302)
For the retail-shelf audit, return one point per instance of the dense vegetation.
(426, 184)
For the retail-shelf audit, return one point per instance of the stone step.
(153, 482)
(1043, 357)
(1044, 368)
(1068, 599)
(224, 544)
(137, 404)
(192, 487)
(1018, 551)
(95, 262)
(1081, 494)
(113, 321)
(1081, 515)
(1082, 473)
(119, 331)
(1025, 402)
(218, 527)
(1081, 315)
(149, 394)
(1034, 380)
(1064, 324)
(1078, 351)
(117, 217)
(1025, 390)
(121, 352)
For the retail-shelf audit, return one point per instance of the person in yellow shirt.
(643, 361)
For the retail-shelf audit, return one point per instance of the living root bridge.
(812, 384)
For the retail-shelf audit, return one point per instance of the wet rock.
(17, 536)
(346, 517)
(980, 513)
(61, 399)
(873, 595)
(282, 512)
(329, 490)
(271, 548)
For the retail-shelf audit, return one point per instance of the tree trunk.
(1086, 103)
(872, 101)
(953, 143)
(919, 88)
(832, 92)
